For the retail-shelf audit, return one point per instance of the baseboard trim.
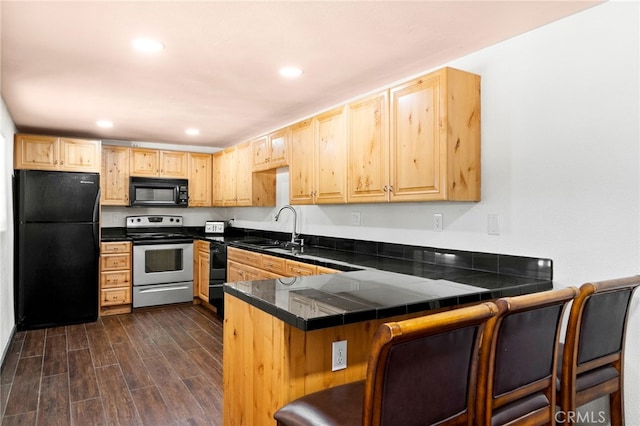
(6, 349)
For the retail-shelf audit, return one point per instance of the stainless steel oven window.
(162, 263)
(163, 260)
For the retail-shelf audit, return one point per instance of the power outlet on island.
(339, 355)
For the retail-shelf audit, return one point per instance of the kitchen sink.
(263, 243)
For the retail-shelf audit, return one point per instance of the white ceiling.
(67, 64)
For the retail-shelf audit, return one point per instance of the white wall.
(560, 161)
(6, 237)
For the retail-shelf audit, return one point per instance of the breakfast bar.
(278, 333)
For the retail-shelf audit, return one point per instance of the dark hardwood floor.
(157, 367)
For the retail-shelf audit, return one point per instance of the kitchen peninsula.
(278, 333)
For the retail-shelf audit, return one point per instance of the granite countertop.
(320, 301)
(380, 280)
(377, 285)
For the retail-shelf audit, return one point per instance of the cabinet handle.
(62, 163)
(391, 188)
(54, 162)
(385, 189)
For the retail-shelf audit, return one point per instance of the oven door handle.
(156, 290)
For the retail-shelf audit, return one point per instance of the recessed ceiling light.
(192, 132)
(290, 72)
(105, 124)
(147, 45)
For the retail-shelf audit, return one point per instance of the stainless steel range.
(162, 260)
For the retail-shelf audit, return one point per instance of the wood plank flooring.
(158, 367)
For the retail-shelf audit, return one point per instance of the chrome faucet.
(294, 235)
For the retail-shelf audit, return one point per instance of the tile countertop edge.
(425, 305)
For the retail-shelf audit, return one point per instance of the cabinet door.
(173, 164)
(229, 171)
(239, 272)
(203, 272)
(200, 180)
(217, 195)
(144, 162)
(417, 168)
(368, 145)
(36, 152)
(278, 143)
(80, 155)
(330, 158)
(261, 152)
(296, 269)
(243, 173)
(114, 181)
(301, 163)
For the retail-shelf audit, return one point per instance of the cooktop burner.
(157, 227)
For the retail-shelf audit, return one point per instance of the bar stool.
(593, 352)
(420, 371)
(517, 372)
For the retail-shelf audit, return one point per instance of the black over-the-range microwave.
(158, 192)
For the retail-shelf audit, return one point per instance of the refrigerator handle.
(96, 222)
(96, 208)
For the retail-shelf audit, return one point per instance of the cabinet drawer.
(298, 269)
(325, 270)
(115, 262)
(115, 279)
(243, 256)
(115, 296)
(115, 247)
(273, 264)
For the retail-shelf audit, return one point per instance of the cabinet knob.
(391, 188)
(385, 189)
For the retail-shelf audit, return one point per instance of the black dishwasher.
(217, 275)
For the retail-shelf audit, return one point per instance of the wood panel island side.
(278, 333)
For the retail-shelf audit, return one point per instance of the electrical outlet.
(339, 355)
(437, 222)
(493, 224)
(355, 218)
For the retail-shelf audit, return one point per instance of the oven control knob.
(139, 220)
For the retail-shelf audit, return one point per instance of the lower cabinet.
(115, 278)
(201, 267)
(245, 265)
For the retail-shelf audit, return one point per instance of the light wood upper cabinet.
(301, 163)
(318, 162)
(368, 149)
(435, 138)
(270, 152)
(156, 163)
(52, 153)
(244, 167)
(331, 158)
(239, 186)
(229, 175)
(173, 164)
(200, 179)
(114, 179)
(144, 162)
(217, 196)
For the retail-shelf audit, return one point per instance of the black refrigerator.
(56, 248)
